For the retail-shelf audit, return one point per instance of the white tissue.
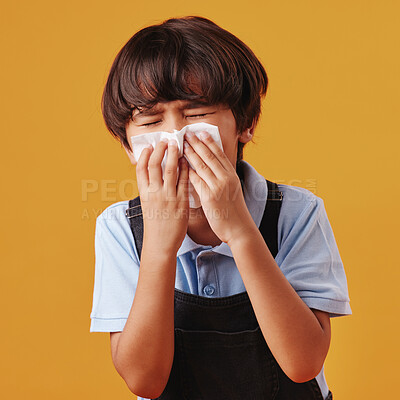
(140, 141)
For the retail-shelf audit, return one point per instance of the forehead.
(165, 105)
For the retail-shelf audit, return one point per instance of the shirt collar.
(255, 192)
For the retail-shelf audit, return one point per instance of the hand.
(218, 186)
(165, 203)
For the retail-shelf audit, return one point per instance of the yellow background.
(330, 124)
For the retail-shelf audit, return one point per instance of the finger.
(219, 153)
(142, 174)
(198, 183)
(210, 153)
(183, 179)
(170, 173)
(155, 172)
(202, 169)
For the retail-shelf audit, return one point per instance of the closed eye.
(188, 116)
(197, 115)
(151, 123)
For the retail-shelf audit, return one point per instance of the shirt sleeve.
(310, 260)
(116, 272)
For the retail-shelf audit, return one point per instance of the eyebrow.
(156, 110)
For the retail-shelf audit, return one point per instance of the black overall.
(220, 352)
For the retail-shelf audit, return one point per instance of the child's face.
(179, 113)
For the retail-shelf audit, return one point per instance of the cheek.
(230, 148)
(130, 130)
(227, 128)
(229, 141)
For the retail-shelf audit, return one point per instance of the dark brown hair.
(184, 59)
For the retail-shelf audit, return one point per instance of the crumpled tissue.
(139, 142)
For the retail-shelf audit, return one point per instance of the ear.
(247, 134)
(130, 155)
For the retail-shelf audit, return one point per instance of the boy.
(207, 308)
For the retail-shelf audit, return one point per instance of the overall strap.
(268, 226)
(269, 222)
(135, 217)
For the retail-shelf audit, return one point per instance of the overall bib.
(220, 352)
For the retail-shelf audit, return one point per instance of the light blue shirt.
(307, 255)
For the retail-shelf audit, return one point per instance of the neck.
(199, 229)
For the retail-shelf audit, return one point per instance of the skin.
(176, 115)
(299, 337)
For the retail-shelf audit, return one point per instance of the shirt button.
(209, 290)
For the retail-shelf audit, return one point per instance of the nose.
(176, 122)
